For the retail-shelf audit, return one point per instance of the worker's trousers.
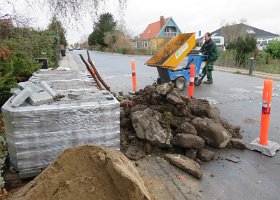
(207, 70)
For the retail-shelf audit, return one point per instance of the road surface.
(239, 99)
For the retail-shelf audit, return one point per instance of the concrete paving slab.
(30, 85)
(21, 97)
(40, 98)
(47, 88)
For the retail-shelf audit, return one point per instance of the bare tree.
(232, 31)
(67, 10)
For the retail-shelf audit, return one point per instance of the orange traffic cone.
(265, 118)
(262, 144)
(191, 83)
(133, 68)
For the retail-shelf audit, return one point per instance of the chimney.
(161, 22)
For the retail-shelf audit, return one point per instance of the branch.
(91, 72)
(97, 74)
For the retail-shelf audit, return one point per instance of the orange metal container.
(173, 52)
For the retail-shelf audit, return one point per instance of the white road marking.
(259, 87)
(241, 90)
(115, 76)
(273, 94)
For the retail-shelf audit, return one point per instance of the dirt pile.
(86, 172)
(159, 120)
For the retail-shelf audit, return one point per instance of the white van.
(220, 41)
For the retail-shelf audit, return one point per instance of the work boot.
(198, 81)
(208, 82)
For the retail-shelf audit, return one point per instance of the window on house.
(170, 29)
(145, 44)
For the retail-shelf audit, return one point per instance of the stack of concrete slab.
(37, 133)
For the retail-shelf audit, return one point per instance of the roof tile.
(152, 30)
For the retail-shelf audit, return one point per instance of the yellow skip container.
(173, 52)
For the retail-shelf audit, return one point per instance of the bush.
(3, 155)
(244, 47)
(17, 65)
(273, 48)
(18, 53)
(263, 58)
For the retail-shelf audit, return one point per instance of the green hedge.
(25, 45)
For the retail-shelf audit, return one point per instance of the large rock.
(184, 112)
(174, 98)
(188, 141)
(122, 114)
(147, 126)
(125, 123)
(135, 152)
(185, 163)
(234, 130)
(238, 143)
(191, 153)
(139, 107)
(212, 132)
(205, 155)
(214, 113)
(155, 99)
(164, 108)
(164, 89)
(199, 107)
(186, 128)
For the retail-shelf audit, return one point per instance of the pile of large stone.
(160, 120)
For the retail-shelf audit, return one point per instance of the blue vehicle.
(180, 77)
(169, 57)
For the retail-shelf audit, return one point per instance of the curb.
(263, 75)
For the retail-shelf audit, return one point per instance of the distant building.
(157, 33)
(233, 31)
(245, 29)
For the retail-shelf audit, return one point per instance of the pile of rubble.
(159, 120)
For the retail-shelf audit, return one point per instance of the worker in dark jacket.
(210, 55)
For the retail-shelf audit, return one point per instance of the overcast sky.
(190, 16)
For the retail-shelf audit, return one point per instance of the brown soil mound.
(86, 172)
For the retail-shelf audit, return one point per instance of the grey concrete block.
(43, 132)
(268, 150)
(40, 98)
(47, 88)
(32, 86)
(21, 97)
(15, 91)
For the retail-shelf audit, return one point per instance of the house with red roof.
(157, 33)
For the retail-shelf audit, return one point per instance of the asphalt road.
(239, 99)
